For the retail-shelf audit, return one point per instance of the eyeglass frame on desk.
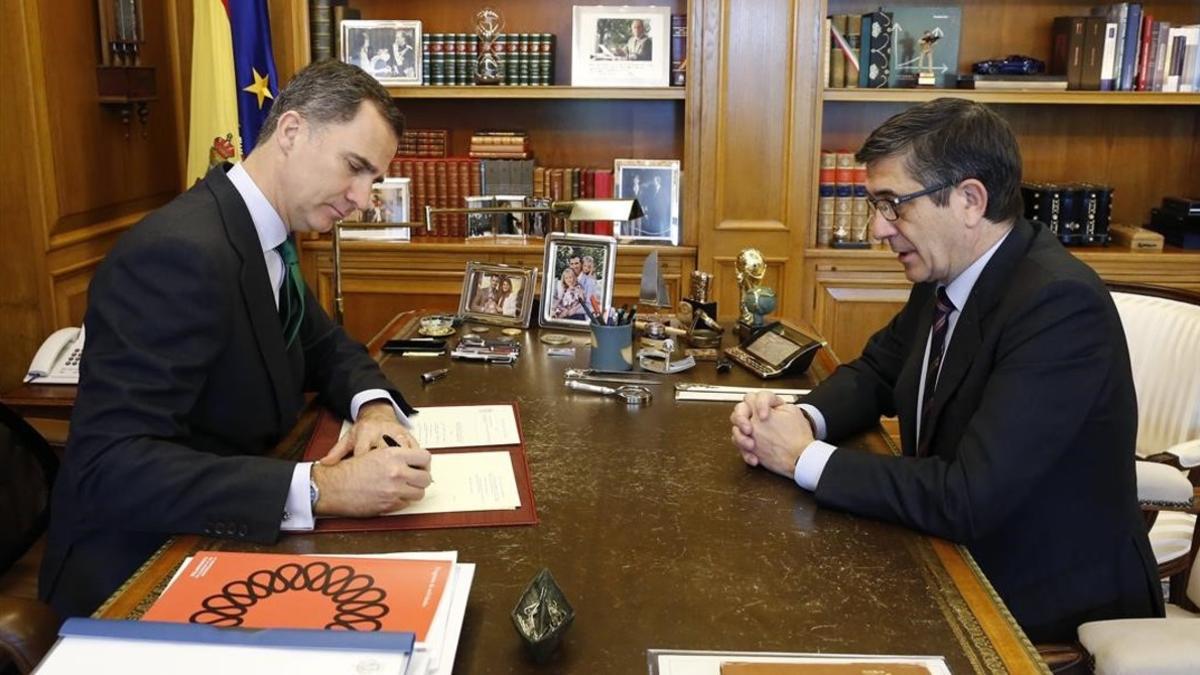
(576, 210)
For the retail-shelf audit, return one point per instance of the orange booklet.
(266, 590)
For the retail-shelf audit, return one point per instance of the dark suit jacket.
(1034, 422)
(185, 384)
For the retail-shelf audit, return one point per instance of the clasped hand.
(769, 432)
(377, 477)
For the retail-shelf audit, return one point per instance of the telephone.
(57, 360)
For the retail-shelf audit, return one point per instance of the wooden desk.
(661, 537)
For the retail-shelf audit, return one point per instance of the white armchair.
(1162, 327)
(1166, 646)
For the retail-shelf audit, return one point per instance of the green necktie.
(291, 295)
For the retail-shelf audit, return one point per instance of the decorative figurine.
(926, 76)
(751, 268)
(488, 24)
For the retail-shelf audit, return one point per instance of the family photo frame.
(498, 294)
(390, 50)
(655, 184)
(390, 202)
(620, 46)
(577, 269)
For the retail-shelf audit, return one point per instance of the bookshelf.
(555, 92)
(567, 126)
(1145, 144)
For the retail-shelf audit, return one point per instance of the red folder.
(325, 434)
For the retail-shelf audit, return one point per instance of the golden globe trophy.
(488, 24)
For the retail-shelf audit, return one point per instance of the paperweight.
(542, 615)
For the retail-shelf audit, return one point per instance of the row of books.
(883, 49)
(1122, 48)
(423, 143)
(1077, 213)
(325, 19)
(843, 215)
(451, 59)
(500, 145)
(448, 183)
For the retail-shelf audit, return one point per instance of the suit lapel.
(256, 291)
(967, 337)
(908, 382)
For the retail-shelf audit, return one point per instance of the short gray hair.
(331, 91)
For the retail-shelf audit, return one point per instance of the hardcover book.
(913, 26)
(879, 68)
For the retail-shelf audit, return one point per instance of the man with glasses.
(1009, 372)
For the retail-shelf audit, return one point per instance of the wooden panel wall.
(71, 180)
(754, 139)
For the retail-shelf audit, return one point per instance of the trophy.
(926, 77)
(756, 299)
(488, 24)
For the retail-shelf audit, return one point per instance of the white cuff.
(817, 418)
(297, 510)
(811, 464)
(367, 395)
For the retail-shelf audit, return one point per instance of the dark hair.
(948, 140)
(331, 91)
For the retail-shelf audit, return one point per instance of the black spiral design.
(358, 601)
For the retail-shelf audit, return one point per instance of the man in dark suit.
(202, 340)
(1009, 372)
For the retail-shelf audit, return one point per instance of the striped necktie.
(941, 323)
(291, 295)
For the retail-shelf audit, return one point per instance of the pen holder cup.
(612, 347)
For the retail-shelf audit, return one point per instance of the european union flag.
(254, 66)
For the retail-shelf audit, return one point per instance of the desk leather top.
(661, 537)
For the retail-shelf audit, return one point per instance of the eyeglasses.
(887, 206)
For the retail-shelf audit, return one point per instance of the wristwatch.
(314, 493)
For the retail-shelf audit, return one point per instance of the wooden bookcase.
(568, 126)
(1146, 145)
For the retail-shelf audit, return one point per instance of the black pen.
(434, 375)
(392, 443)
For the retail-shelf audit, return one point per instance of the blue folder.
(296, 638)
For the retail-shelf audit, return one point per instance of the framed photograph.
(498, 294)
(389, 50)
(578, 269)
(391, 201)
(654, 183)
(620, 46)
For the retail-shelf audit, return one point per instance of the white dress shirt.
(812, 461)
(297, 513)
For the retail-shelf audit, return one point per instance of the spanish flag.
(233, 81)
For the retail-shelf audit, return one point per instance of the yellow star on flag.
(260, 88)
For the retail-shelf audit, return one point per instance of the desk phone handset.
(776, 349)
(57, 360)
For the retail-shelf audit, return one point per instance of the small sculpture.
(751, 268)
(927, 76)
(488, 24)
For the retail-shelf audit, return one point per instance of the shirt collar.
(960, 289)
(267, 223)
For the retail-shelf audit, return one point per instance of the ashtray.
(436, 326)
(542, 615)
(555, 339)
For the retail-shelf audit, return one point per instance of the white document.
(468, 481)
(436, 654)
(715, 392)
(725, 396)
(672, 662)
(462, 426)
(100, 656)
